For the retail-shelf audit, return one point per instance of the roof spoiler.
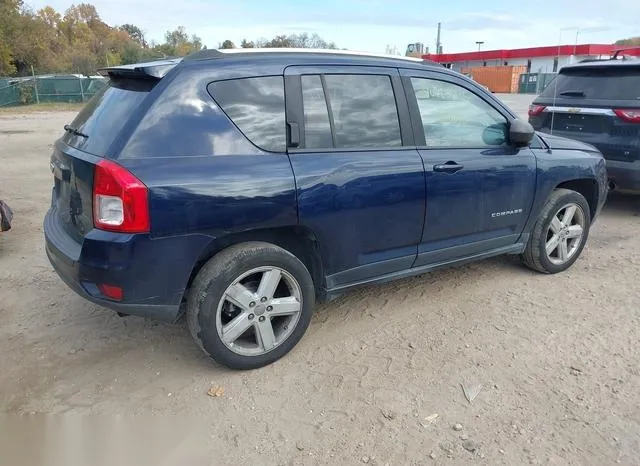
(149, 70)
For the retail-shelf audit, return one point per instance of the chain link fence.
(49, 88)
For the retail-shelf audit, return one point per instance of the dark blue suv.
(597, 102)
(241, 187)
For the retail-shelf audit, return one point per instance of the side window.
(317, 129)
(256, 107)
(453, 116)
(361, 110)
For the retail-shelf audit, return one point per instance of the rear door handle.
(448, 167)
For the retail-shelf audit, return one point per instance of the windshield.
(606, 83)
(101, 120)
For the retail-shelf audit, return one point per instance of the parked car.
(597, 102)
(245, 186)
(6, 215)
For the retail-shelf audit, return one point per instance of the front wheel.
(250, 305)
(560, 233)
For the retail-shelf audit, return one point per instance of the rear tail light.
(111, 292)
(120, 201)
(535, 110)
(630, 115)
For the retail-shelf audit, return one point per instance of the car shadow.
(623, 203)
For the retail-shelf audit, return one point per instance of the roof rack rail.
(221, 53)
(624, 57)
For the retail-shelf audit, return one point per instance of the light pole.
(479, 42)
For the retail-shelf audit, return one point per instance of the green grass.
(43, 107)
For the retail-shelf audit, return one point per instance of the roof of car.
(159, 68)
(604, 64)
(283, 53)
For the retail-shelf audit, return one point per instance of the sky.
(373, 25)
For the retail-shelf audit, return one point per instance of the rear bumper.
(625, 175)
(67, 271)
(153, 273)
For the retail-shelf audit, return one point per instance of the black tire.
(219, 273)
(535, 255)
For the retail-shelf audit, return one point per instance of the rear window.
(596, 83)
(256, 107)
(106, 114)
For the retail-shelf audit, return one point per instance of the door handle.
(448, 167)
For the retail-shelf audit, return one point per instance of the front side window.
(256, 107)
(361, 110)
(453, 116)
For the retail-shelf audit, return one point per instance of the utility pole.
(438, 44)
(479, 42)
(35, 85)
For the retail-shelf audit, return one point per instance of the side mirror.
(520, 133)
(495, 135)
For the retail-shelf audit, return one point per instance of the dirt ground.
(377, 378)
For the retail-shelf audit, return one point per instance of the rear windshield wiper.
(71, 130)
(573, 93)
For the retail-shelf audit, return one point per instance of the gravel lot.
(377, 379)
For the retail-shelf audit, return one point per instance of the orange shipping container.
(497, 78)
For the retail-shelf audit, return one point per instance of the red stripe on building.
(532, 52)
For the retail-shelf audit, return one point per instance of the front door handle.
(448, 167)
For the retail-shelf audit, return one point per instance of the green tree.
(10, 12)
(303, 40)
(178, 43)
(227, 44)
(245, 44)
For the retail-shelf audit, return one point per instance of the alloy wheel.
(259, 311)
(565, 234)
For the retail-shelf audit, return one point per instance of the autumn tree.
(79, 41)
(135, 33)
(630, 42)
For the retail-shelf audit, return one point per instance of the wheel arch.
(298, 240)
(587, 187)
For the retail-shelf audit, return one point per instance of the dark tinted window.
(256, 106)
(364, 111)
(596, 83)
(317, 130)
(106, 114)
(453, 116)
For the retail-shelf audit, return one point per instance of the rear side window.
(350, 111)
(106, 114)
(596, 83)
(256, 107)
(364, 111)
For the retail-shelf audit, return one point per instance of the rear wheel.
(250, 305)
(560, 233)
